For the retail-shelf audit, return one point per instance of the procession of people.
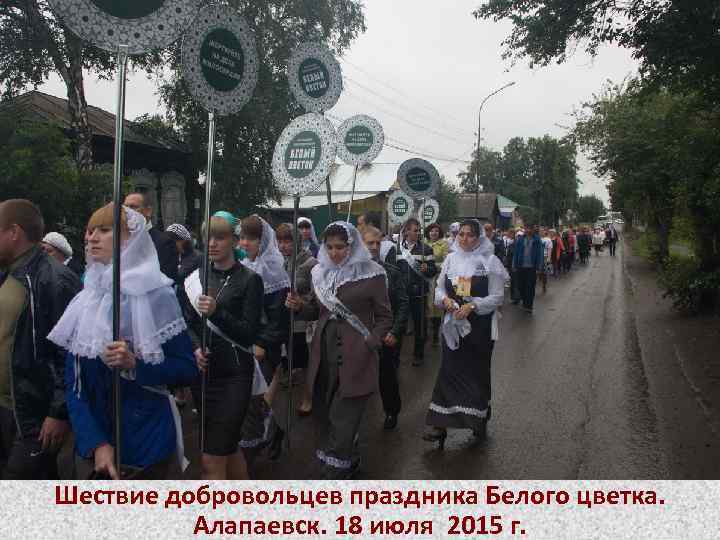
(356, 295)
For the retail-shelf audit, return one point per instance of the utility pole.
(479, 139)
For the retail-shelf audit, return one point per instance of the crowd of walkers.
(356, 293)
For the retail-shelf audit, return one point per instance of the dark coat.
(368, 300)
(188, 263)
(167, 253)
(76, 265)
(38, 365)
(417, 286)
(399, 301)
(275, 327)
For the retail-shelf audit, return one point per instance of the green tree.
(676, 41)
(661, 151)
(589, 208)
(34, 44)
(36, 163)
(448, 198)
(540, 174)
(490, 168)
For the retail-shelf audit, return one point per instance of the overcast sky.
(422, 69)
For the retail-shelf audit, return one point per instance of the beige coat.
(368, 300)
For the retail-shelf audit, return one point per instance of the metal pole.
(290, 351)
(328, 190)
(423, 322)
(122, 57)
(477, 171)
(206, 266)
(352, 195)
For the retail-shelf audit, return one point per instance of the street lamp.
(477, 172)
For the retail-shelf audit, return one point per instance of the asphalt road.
(570, 399)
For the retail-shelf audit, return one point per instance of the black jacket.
(188, 262)
(167, 253)
(399, 301)
(239, 295)
(76, 265)
(275, 328)
(417, 286)
(38, 365)
(509, 256)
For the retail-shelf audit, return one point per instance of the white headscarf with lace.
(150, 314)
(479, 261)
(357, 265)
(312, 229)
(269, 263)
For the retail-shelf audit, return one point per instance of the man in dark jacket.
(416, 261)
(165, 246)
(189, 259)
(527, 261)
(34, 292)
(388, 250)
(390, 353)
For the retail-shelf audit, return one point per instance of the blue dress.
(148, 427)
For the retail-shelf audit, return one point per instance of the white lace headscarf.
(480, 261)
(312, 229)
(150, 314)
(357, 265)
(269, 263)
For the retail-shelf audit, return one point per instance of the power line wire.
(402, 119)
(406, 147)
(402, 93)
(405, 106)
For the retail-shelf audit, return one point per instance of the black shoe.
(418, 361)
(436, 435)
(390, 422)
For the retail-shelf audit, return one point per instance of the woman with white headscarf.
(233, 307)
(154, 351)
(258, 241)
(353, 311)
(307, 236)
(470, 289)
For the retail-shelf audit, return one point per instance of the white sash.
(193, 289)
(340, 311)
(179, 442)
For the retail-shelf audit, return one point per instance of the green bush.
(691, 290)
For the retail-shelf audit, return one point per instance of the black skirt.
(461, 398)
(226, 399)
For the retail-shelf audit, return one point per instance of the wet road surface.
(570, 399)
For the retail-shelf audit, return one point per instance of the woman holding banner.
(155, 351)
(233, 308)
(470, 288)
(351, 301)
(263, 257)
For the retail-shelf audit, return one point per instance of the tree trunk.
(68, 64)
(77, 105)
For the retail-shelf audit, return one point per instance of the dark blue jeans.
(527, 278)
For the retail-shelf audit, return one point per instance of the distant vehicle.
(610, 217)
